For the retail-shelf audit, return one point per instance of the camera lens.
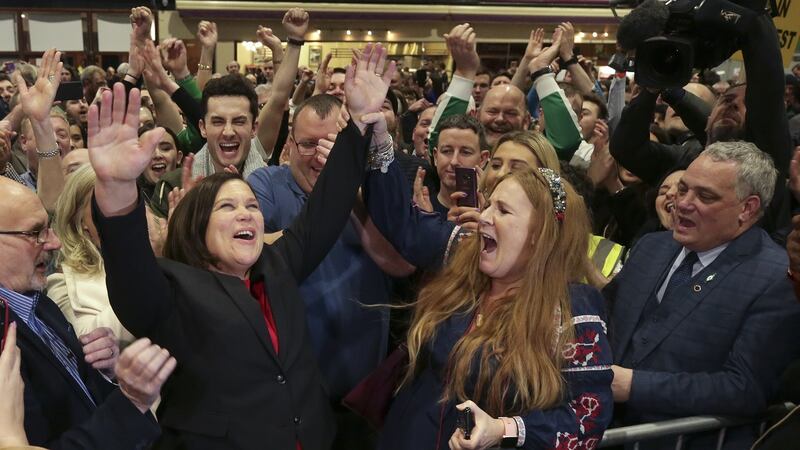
(667, 60)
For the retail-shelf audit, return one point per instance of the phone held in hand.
(467, 182)
(465, 422)
(69, 90)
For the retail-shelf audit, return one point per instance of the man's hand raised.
(207, 34)
(141, 22)
(38, 99)
(295, 22)
(461, 45)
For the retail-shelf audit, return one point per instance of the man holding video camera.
(752, 111)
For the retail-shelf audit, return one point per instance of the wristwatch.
(540, 72)
(569, 62)
(510, 434)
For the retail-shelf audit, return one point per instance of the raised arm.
(630, 143)
(271, 115)
(461, 43)
(766, 121)
(36, 102)
(139, 293)
(561, 127)
(173, 56)
(307, 241)
(207, 35)
(301, 90)
(580, 79)
(157, 76)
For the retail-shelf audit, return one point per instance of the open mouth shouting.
(683, 225)
(229, 151)
(159, 168)
(489, 244)
(245, 235)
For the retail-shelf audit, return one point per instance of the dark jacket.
(58, 415)
(766, 124)
(714, 346)
(230, 390)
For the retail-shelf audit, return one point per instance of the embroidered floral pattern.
(585, 350)
(567, 441)
(587, 409)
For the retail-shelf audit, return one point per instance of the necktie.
(682, 274)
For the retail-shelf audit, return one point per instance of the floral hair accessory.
(556, 191)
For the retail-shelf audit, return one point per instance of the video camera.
(673, 37)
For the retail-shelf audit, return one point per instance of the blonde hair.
(518, 346)
(77, 249)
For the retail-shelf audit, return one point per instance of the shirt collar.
(707, 257)
(292, 183)
(22, 305)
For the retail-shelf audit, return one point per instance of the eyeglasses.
(40, 235)
(308, 148)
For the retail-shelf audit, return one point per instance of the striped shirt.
(25, 307)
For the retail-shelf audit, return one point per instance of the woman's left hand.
(487, 432)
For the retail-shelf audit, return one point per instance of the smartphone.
(465, 421)
(69, 90)
(467, 182)
(422, 77)
(4, 323)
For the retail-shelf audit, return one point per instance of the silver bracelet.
(520, 431)
(380, 155)
(48, 155)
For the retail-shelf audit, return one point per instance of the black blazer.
(230, 390)
(58, 415)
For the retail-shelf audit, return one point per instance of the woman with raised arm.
(224, 304)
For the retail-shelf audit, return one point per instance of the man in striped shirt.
(69, 404)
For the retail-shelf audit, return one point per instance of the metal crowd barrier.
(687, 425)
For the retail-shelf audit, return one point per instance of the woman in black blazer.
(246, 376)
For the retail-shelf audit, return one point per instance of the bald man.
(503, 110)
(233, 67)
(68, 403)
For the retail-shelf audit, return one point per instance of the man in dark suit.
(68, 404)
(704, 318)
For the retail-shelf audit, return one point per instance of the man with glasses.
(68, 404)
(349, 339)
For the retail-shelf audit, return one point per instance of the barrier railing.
(685, 426)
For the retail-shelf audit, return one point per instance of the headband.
(556, 191)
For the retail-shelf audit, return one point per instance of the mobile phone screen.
(69, 90)
(467, 182)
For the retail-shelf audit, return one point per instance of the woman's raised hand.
(367, 82)
(118, 156)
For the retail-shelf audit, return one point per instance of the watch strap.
(297, 42)
(510, 433)
(569, 62)
(540, 72)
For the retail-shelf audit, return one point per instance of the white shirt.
(704, 259)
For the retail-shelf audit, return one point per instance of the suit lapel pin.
(697, 288)
(710, 277)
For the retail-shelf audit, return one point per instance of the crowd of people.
(377, 256)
